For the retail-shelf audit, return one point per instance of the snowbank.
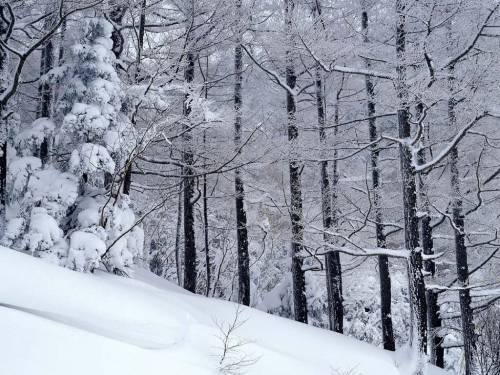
(54, 321)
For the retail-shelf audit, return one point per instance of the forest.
(332, 162)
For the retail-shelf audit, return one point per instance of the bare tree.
(415, 265)
(383, 261)
(296, 214)
(188, 160)
(241, 216)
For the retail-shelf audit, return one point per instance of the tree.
(383, 260)
(241, 216)
(468, 333)
(296, 215)
(415, 265)
(188, 160)
(98, 137)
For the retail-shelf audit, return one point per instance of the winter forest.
(332, 162)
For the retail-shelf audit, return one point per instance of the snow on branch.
(458, 137)
(23, 56)
(473, 42)
(332, 67)
(361, 251)
(277, 78)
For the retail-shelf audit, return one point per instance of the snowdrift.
(54, 321)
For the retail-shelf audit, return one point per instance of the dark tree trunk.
(435, 339)
(127, 179)
(190, 273)
(177, 250)
(140, 39)
(45, 90)
(3, 180)
(434, 336)
(333, 269)
(205, 232)
(415, 266)
(60, 53)
(241, 215)
(332, 259)
(116, 15)
(467, 317)
(296, 216)
(3, 129)
(333, 265)
(383, 261)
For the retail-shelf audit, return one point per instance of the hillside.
(55, 321)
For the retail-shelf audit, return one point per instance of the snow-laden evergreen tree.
(39, 197)
(73, 211)
(97, 134)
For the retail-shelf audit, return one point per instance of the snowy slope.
(54, 321)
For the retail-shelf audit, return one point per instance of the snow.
(92, 158)
(44, 231)
(85, 250)
(33, 136)
(56, 321)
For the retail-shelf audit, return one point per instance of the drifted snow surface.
(54, 321)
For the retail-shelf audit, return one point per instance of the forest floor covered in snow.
(55, 321)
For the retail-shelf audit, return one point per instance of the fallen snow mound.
(54, 321)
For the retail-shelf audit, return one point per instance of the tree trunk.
(383, 261)
(205, 234)
(435, 339)
(127, 179)
(45, 90)
(3, 129)
(434, 336)
(177, 250)
(60, 53)
(241, 215)
(296, 216)
(189, 186)
(205, 216)
(460, 247)
(416, 278)
(116, 15)
(332, 259)
(333, 265)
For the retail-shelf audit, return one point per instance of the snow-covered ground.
(54, 321)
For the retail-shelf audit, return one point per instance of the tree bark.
(435, 339)
(190, 261)
(467, 318)
(241, 215)
(127, 179)
(383, 261)
(296, 215)
(333, 270)
(177, 249)
(415, 266)
(333, 266)
(434, 336)
(45, 90)
(116, 15)
(205, 233)
(3, 128)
